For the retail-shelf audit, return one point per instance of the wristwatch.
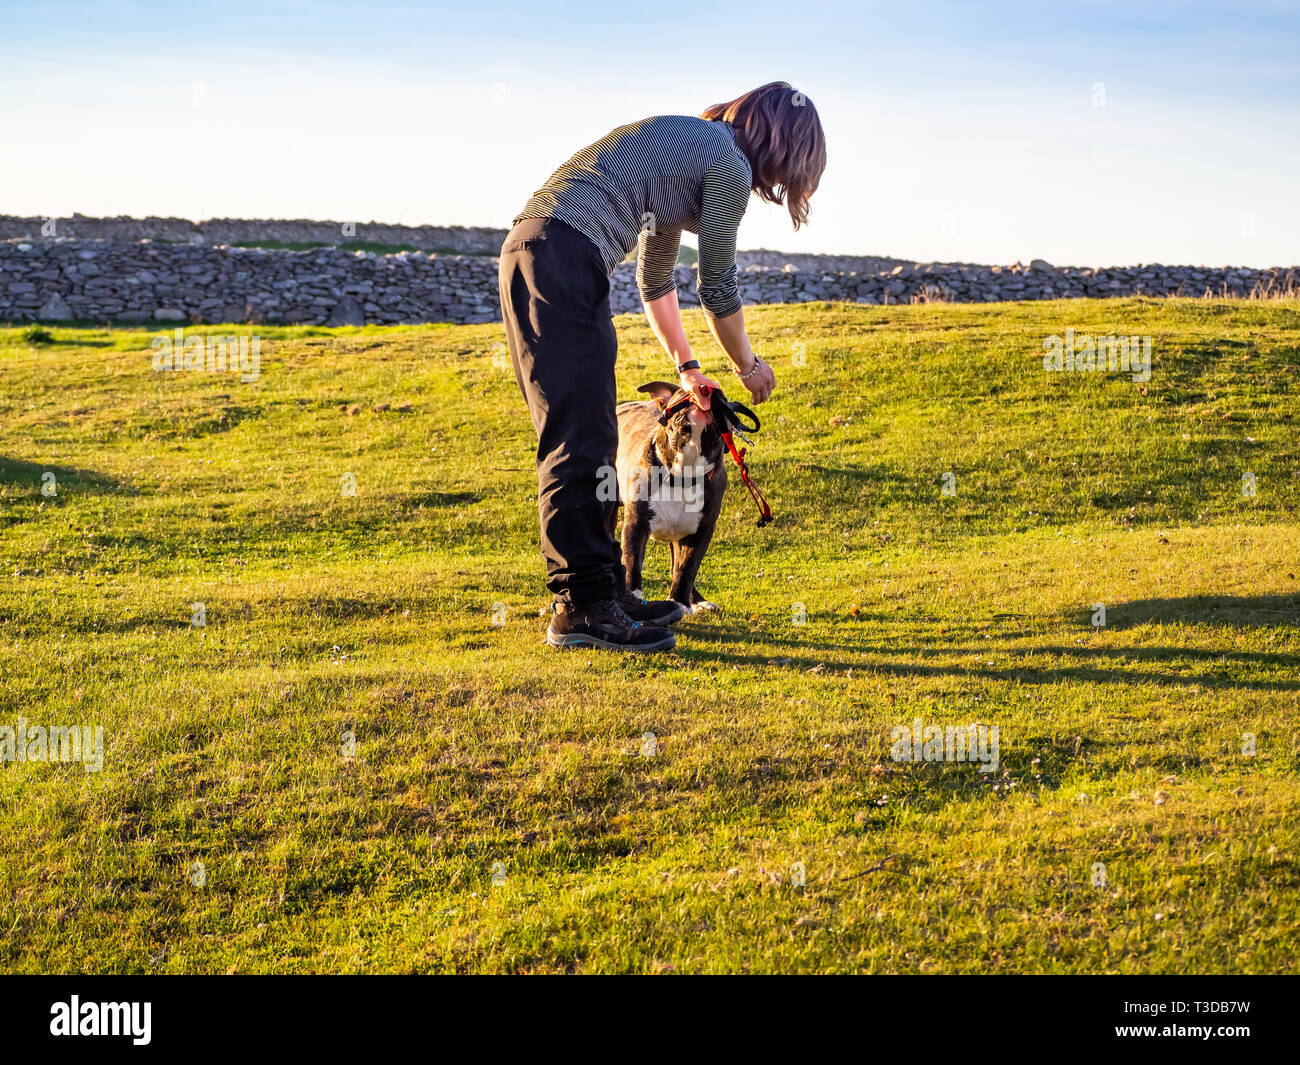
(692, 364)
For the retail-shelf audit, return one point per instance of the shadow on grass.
(721, 646)
(73, 341)
(31, 474)
(440, 499)
(1025, 675)
(223, 620)
(1207, 609)
(194, 425)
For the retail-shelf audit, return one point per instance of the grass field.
(365, 760)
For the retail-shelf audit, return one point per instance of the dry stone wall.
(128, 279)
(469, 240)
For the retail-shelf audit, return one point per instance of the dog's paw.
(703, 605)
(637, 592)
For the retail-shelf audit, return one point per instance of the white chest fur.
(674, 494)
(672, 520)
(677, 507)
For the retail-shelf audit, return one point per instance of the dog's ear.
(660, 391)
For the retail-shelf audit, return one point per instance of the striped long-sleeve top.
(641, 185)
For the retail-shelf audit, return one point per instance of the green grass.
(474, 745)
(35, 334)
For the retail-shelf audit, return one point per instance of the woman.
(639, 186)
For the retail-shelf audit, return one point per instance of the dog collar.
(678, 401)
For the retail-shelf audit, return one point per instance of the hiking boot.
(604, 624)
(651, 611)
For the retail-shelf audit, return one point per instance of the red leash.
(765, 512)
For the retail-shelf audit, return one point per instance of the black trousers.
(555, 307)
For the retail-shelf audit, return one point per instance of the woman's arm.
(656, 258)
(723, 200)
(730, 333)
(666, 323)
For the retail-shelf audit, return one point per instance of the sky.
(1087, 134)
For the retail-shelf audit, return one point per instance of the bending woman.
(638, 187)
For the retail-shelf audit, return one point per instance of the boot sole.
(581, 639)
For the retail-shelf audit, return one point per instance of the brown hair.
(778, 130)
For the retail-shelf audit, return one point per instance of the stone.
(346, 312)
(169, 314)
(54, 309)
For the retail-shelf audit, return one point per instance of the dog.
(671, 480)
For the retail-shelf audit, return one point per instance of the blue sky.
(1087, 134)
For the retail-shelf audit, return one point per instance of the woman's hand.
(761, 382)
(695, 382)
